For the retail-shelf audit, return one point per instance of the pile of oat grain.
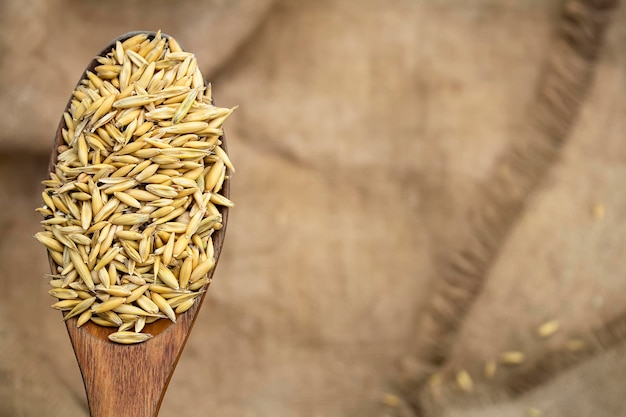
(132, 203)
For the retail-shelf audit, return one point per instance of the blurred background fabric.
(376, 144)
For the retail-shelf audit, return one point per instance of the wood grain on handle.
(129, 380)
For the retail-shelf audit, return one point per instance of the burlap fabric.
(419, 185)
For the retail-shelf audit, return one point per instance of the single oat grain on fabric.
(134, 198)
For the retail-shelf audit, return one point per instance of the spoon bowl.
(131, 380)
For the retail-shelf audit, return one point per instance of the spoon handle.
(127, 381)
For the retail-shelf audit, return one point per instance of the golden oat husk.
(111, 317)
(65, 305)
(184, 153)
(168, 249)
(185, 106)
(81, 196)
(147, 304)
(84, 317)
(113, 275)
(224, 157)
(176, 299)
(94, 253)
(164, 306)
(490, 369)
(598, 211)
(122, 186)
(202, 269)
(136, 293)
(80, 239)
(63, 293)
(47, 200)
(130, 251)
(135, 101)
(435, 379)
(115, 290)
(194, 286)
(127, 199)
(140, 324)
(134, 310)
(193, 225)
(164, 191)
(120, 173)
(127, 338)
(142, 195)
(185, 305)
(128, 235)
(512, 358)
(70, 278)
(220, 181)
(54, 220)
(181, 244)
(168, 278)
(198, 241)
(103, 322)
(109, 305)
(163, 211)
(63, 238)
(83, 295)
(56, 283)
(210, 249)
(187, 127)
(185, 272)
(127, 317)
(575, 345)
(464, 381)
(172, 227)
(147, 172)
(107, 258)
(49, 241)
(162, 289)
(548, 329)
(80, 307)
(145, 247)
(81, 268)
(212, 177)
(174, 293)
(103, 296)
(221, 200)
(184, 182)
(157, 179)
(103, 277)
(126, 325)
(130, 219)
(106, 210)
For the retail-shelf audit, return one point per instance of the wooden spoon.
(130, 380)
